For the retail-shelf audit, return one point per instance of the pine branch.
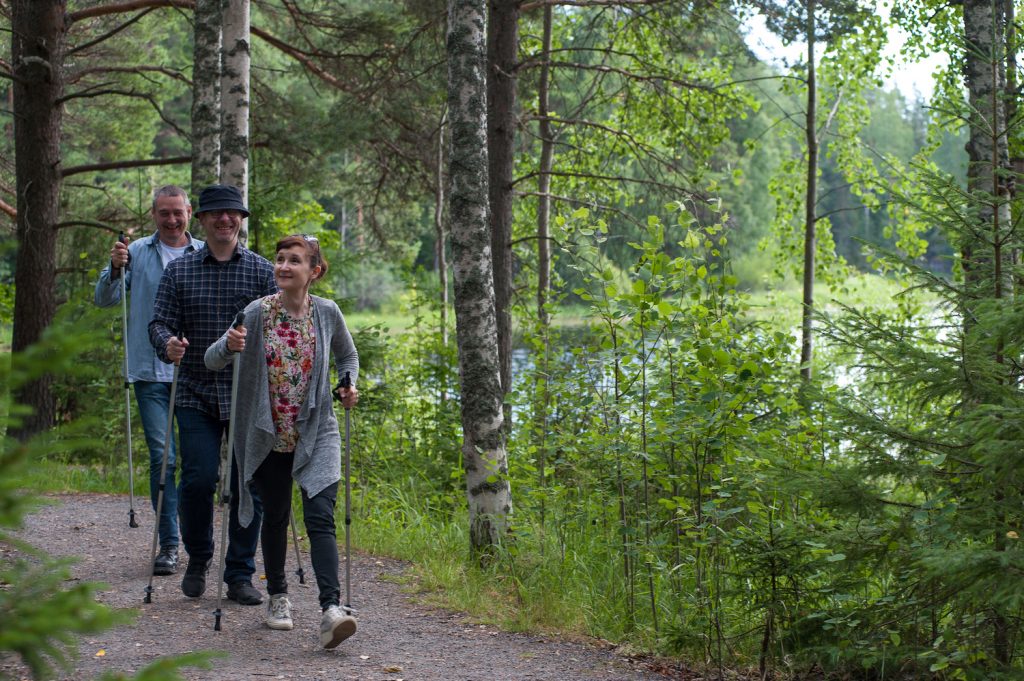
(630, 75)
(538, 4)
(303, 59)
(124, 7)
(109, 34)
(119, 165)
(86, 223)
(88, 93)
(139, 70)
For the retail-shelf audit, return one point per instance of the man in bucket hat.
(198, 298)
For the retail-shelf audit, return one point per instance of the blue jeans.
(154, 400)
(201, 435)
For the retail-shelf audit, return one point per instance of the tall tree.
(815, 22)
(547, 152)
(985, 249)
(502, 58)
(483, 450)
(234, 86)
(206, 94)
(37, 55)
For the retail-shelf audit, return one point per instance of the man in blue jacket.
(151, 378)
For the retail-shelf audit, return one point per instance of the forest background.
(755, 324)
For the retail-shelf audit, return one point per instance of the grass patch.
(61, 476)
(529, 585)
(781, 305)
(395, 322)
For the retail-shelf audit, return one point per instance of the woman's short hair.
(312, 246)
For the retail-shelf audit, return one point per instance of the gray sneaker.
(336, 626)
(279, 613)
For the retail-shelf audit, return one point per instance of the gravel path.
(397, 640)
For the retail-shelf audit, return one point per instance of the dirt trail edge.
(397, 638)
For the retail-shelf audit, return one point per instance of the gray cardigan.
(318, 452)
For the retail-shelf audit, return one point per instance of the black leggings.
(273, 481)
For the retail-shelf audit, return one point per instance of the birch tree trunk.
(986, 270)
(547, 147)
(810, 200)
(440, 256)
(206, 102)
(234, 84)
(37, 54)
(483, 449)
(502, 46)
(987, 149)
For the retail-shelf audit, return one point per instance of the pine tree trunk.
(37, 54)
(206, 102)
(234, 138)
(502, 46)
(483, 449)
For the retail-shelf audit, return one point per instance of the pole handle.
(124, 240)
(180, 336)
(346, 382)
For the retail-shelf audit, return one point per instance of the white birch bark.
(987, 149)
(483, 450)
(206, 119)
(986, 263)
(234, 85)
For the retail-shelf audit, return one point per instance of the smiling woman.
(287, 427)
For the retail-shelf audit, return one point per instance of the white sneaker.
(279, 613)
(336, 626)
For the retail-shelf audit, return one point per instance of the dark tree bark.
(37, 52)
(483, 449)
(502, 53)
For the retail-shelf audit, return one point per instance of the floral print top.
(290, 346)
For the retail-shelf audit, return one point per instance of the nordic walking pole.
(346, 382)
(132, 522)
(225, 477)
(298, 556)
(168, 437)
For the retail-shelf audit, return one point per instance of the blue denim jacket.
(145, 269)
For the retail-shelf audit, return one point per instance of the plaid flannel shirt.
(200, 296)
